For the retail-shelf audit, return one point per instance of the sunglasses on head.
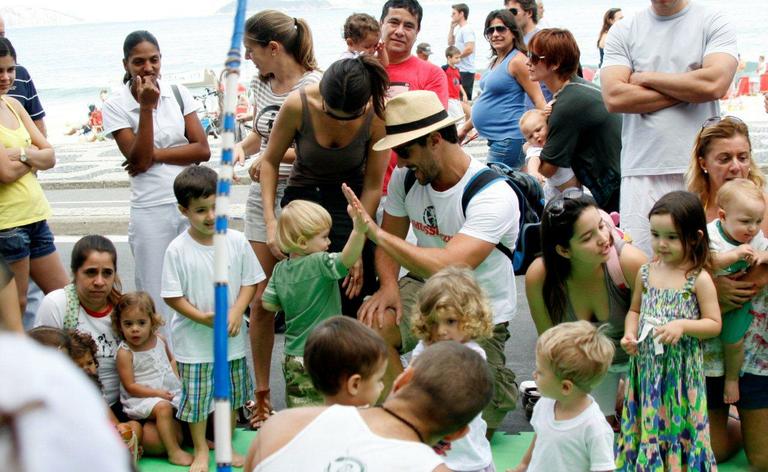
(556, 206)
(715, 120)
(333, 115)
(495, 29)
(534, 58)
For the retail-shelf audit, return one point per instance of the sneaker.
(530, 395)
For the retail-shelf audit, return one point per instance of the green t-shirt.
(585, 137)
(307, 291)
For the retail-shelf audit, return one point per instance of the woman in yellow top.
(26, 242)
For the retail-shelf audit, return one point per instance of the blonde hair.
(737, 190)
(143, 302)
(576, 351)
(452, 290)
(530, 114)
(695, 178)
(299, 221)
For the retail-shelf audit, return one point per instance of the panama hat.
(411, 115)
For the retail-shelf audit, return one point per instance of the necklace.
(404, 421)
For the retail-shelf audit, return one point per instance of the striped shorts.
(197, 389)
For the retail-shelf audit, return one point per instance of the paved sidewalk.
(97, 165)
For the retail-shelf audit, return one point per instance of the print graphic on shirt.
(345, 464)
(429, 224)
(396, 88)
(265, 119)
(106, 347)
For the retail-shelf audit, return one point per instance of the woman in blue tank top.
(497, 111)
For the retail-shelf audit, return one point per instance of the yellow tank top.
(21, 202)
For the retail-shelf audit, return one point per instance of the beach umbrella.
(222, 426)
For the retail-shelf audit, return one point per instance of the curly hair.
(452, 290)
(142, 301)
(82, 343)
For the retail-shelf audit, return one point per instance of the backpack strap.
(73, 307)
(478, 182)
(177, 94)
(410, 179)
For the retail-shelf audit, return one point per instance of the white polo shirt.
(155, 186)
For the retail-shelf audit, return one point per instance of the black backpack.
(530, 199)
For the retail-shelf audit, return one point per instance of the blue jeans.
(508, 151)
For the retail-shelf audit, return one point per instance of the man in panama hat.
(425, 193)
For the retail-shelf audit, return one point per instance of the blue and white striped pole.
(222, 423)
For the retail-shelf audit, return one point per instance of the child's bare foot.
(200, 462)
(731, 393)
(180, 457)
(237, 460)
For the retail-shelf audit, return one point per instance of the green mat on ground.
(507, 451)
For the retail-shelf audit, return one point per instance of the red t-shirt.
(454, 82)
(414, 74)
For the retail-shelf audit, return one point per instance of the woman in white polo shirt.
(157, 129)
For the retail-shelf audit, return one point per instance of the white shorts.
(255, 228)
(638, 195)
(605, 392)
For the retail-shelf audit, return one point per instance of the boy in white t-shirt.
(533, 125)
(571, 431)
(188, 289)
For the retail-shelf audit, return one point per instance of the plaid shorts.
(197, 389)
(299, 390)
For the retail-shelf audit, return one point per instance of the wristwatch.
(23, 158)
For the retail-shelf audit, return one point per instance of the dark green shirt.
(585, 137)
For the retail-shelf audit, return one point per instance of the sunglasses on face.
(534, 58)
(501, 29)
(715, 120)
(514, 11)
(402, 151)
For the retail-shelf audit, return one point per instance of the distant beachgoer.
(457, 97)
(665, 89)
(26, 242)
(362, 34)
(582, 134)
(462, 36)
(541, 22)
(611, 16)
(281, 49)
(423, 51)
(424, 409)
(497, 111)
(156, 128)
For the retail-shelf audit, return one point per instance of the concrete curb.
(115, 224)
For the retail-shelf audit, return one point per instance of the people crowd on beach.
(392, 255)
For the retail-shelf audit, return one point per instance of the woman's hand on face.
(147, 91)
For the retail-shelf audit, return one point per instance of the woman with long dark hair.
(609, 18)
(585, 273)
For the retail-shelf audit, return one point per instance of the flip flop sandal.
(529, 396)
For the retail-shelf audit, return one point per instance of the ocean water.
(71, 63)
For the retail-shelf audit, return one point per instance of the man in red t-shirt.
(400, 24)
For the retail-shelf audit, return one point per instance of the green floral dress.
(664, 423)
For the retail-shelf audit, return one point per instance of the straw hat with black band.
(411, 115)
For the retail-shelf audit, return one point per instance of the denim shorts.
(753, 392)
(33, 240)
(508, 151)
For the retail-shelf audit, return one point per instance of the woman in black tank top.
(333, 124)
